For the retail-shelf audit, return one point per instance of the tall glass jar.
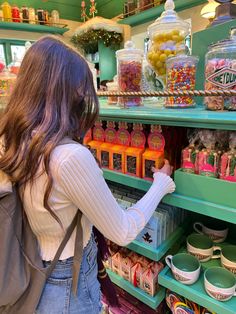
(129, 70)
(167, 35)
(220, 72)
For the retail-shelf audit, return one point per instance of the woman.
(54, 99)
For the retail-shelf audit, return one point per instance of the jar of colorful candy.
(181, 76)
(220, 73)
(129, 69)
(167, 35)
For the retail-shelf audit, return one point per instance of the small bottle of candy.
(6, 10)
(15, 11)
(31, 15)
(228, 161)
(129, 69)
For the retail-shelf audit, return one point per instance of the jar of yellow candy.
(167, 35)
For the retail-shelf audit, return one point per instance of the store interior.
(184, 260)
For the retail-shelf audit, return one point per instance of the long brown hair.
(53, 97)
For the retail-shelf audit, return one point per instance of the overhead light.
(208, 11)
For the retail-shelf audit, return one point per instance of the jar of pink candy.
(129, 70)
(220, 73)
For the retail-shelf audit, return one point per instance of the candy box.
(208, 162)
(154, 155)
(149, 234)
(150, 278)
(189, 158)
(133, 155)
(110, 140)
(125, 267)
(136, 274)
(116, 262)
(98, 139)
(228, 166)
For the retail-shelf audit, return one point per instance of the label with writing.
(225, 78)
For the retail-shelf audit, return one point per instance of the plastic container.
(220, 72)
(181, 76)
(129, 69)
(167, 36)
(6, 10)
(112, 87)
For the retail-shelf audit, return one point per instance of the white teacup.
(218, 234)
(185, 267)
(228, 258)
(220, 283)
(201, 246)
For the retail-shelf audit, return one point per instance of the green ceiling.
(70, 9)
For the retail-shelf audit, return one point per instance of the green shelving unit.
(196, 292)
(33, 28)
(189, 202)
(193, 118)
(153, 302)
(158, 253)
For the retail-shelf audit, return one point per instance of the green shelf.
(33, 28)
(158, 253)
(153, 13)
(153, 302)
(196, 292)
(191, 203)
(150, 114)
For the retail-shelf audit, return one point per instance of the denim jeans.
(57, 296)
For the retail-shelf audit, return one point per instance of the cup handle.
(168, 260)
(196, 228)
(216, 248)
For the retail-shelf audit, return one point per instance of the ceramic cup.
(219, 283)
(185, 267)
(228, 258)
(201, 246)
(217, 232)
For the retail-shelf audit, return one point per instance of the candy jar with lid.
(112, 87)
(167, 35)
(6, 10)
(220, 72)
(129, 69)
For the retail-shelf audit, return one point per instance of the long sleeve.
(84, 185)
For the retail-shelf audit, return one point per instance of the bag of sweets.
(228, 161)
(190, 154)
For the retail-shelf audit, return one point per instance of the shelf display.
(220, 73)
(167, 36)
(98, 139)
(106, 148)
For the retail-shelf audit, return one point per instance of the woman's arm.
(84, 185)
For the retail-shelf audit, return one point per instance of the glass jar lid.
(169, 19)
(129, 51)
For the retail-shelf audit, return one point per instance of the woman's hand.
(167, 168)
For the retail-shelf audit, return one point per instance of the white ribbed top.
(78, 183)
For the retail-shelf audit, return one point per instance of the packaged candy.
(154, 155)
(181, 76)
(228, 161)
(6, 10)
(133, 154)
(117, 156)
(150, 278)
(15, 12)
(98, 139)
(189, 161)
(105, 148)
(129, 69)
(208, 157)
(136, 274)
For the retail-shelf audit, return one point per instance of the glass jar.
(167, 35)
(112, 87)
(220, 73)
(129, 69)
(55, 17)
(15, 12)
(32, 16)
(181, 76)
(40, 14)
(6, 10)
(25, 14)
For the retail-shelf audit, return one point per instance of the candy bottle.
(15, 11)
(55, 17)
(25, 14)
(129, 69)
(31, 15)
(228, 161)
(6, 10)
(167, 36)
(181, 76)
(40, 14)
(220, 73)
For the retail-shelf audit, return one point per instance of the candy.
(117, 162)
(165, 45)
(181, 72)
(130, 80)
(220, 74)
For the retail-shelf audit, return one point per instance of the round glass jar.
(220, 73)
(129, 70)
(181, 76)
(167, 35)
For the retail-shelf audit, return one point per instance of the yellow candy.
(167, 52)
(180, 38)
(150, 55)
(156, 57)
(171, 55)
(162, 71)
(175, 38)
(175, 32)
(167, 36)
(163, 57)
(158, 37)
(158, 64)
